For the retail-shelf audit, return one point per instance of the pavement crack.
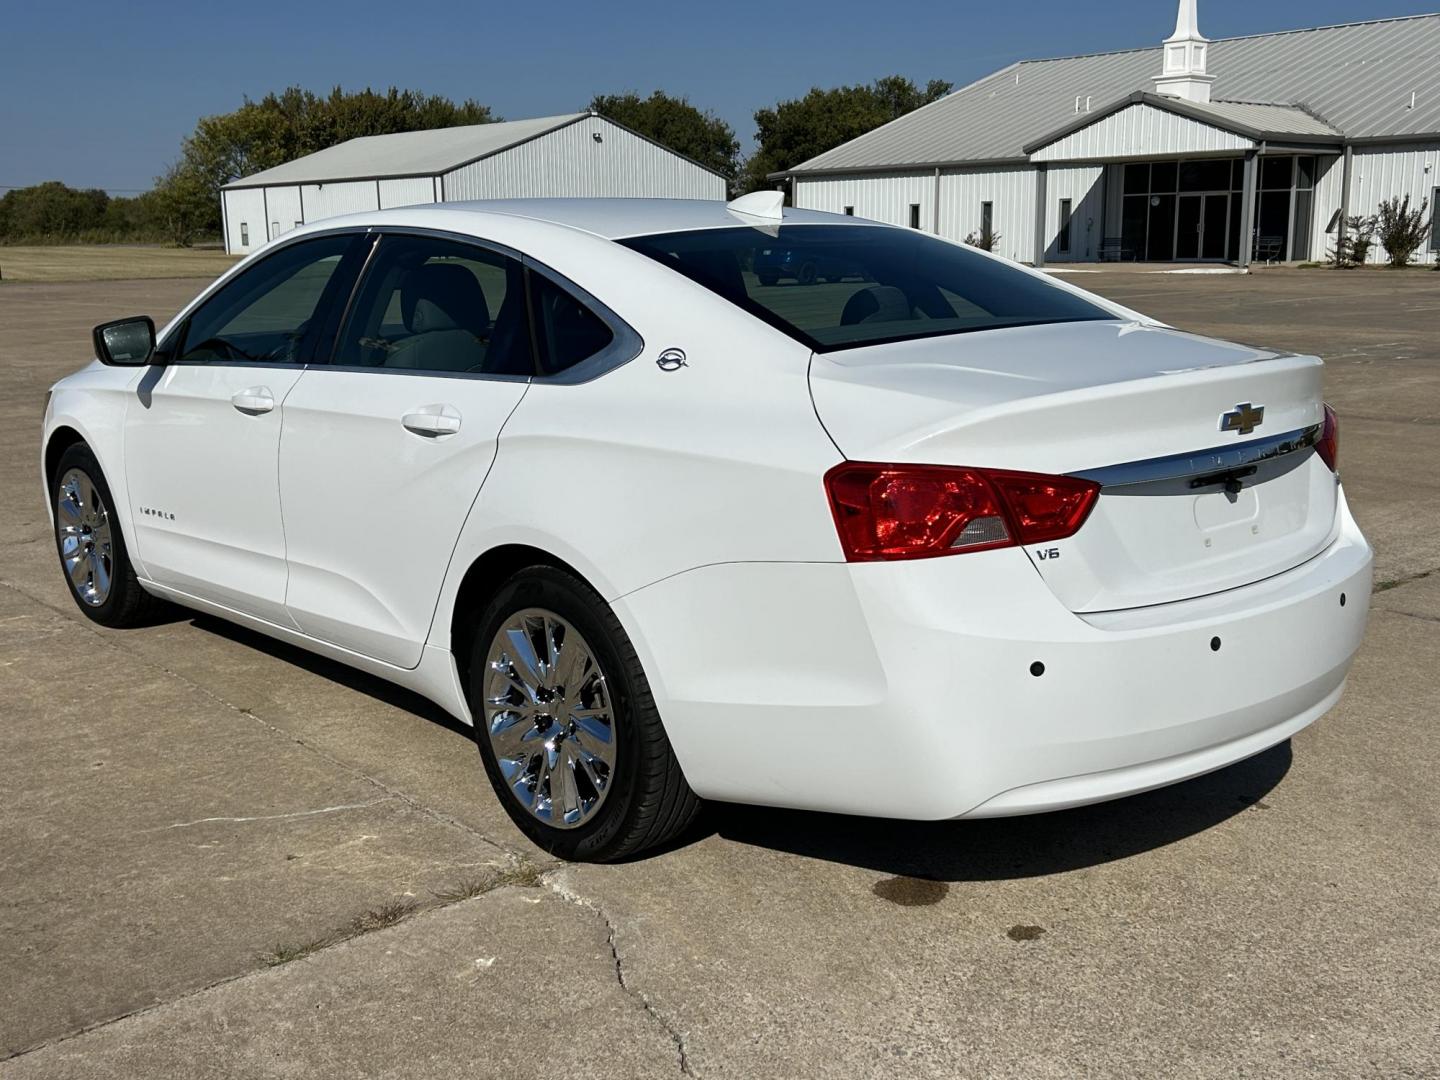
(279, 817)
(1404, 579)
(1414, 615)
(553, 881)
(519, 873)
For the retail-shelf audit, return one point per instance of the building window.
(274, 229)
(1063, 241)
(849, 211)
(245, 233)
(914, 215)
(987, 220)
(1435, 221)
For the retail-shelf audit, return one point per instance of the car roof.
(616, 219)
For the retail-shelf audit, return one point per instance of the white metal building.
(581, 154)
(1168, 153)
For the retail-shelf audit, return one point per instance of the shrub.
(983, 239)
(1355, 247)
(1402, 230)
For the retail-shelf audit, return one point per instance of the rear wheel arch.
(482, 580)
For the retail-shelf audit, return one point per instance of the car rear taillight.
(1328, 445)
(921, 511)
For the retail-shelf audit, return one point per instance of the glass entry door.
(1202, 225)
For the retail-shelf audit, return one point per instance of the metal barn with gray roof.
(1172, 153)
(579, 154)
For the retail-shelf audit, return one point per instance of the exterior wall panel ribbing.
(1382, 172)
(340, 197)
(572, 162)
(244, 206)
(283, 204)
(888, 197)
(1084, 186)
(1011, 191)
(883, 197)
(407, 191)
(1142, 131)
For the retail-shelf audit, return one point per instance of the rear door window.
(569, 332)
(436, 305)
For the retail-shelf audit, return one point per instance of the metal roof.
(407, 153)
(1259, 117)
(1357, 78)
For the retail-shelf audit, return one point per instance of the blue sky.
(100, 94)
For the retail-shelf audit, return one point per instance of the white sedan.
(940, 538)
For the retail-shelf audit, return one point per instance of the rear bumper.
(906, 689)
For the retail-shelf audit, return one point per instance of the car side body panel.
(374, 509)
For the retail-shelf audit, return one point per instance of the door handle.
(253, 400)
(432, 421)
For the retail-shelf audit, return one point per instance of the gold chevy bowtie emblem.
(1243, 419)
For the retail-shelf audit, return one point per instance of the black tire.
(806, 276)
(647, 801)
(125, 604)
(768, 279)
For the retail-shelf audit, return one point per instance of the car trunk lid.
(1136, 407)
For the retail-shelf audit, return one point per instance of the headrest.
(878, 303)
(443, 296)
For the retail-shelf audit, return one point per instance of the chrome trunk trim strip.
(1201, 463)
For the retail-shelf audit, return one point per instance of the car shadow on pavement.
(994, 849)
(356, 680)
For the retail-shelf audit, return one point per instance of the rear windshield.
(842, 286)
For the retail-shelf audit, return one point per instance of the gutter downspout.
(1345, 198)
(1041, 178)
(935, 220)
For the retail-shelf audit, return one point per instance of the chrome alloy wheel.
(82, 527)
(548, 717)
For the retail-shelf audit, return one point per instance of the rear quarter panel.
(641, 474)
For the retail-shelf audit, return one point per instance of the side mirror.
(125, 342)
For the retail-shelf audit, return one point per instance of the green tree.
(797, 130)
(675, 123)
(51, 211)
(181, 204)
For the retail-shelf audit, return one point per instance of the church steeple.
(1186, 52)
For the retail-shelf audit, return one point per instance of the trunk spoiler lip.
(1201, 463)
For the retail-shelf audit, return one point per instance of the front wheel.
(91, 547)
(567, 728)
